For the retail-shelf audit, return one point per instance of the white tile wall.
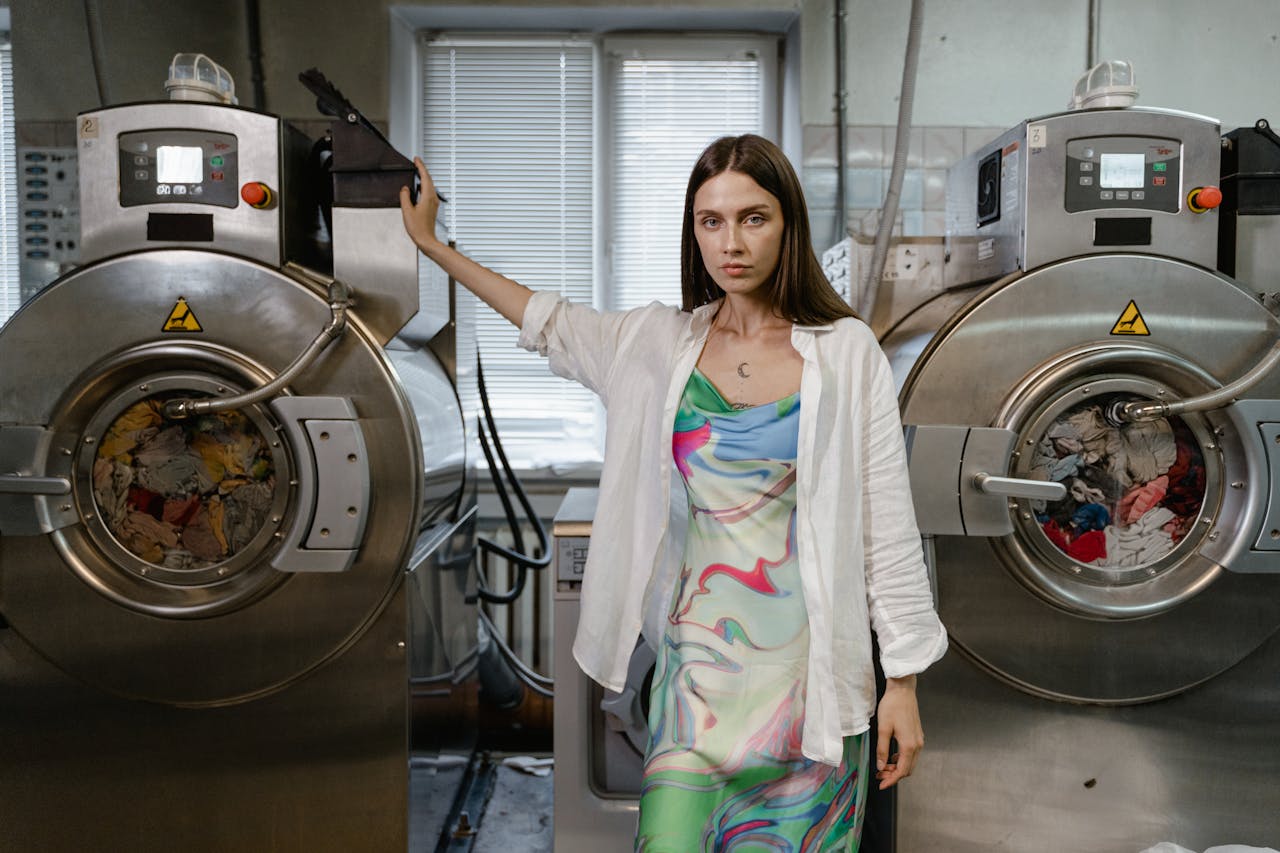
(868, 160)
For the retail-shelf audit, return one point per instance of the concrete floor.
(518, 818)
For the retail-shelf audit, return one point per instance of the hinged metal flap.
(933, 463)
(1241, 533)
(35, 493)
(333, 484)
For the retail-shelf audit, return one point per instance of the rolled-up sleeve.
(898, 596)
(583, 345)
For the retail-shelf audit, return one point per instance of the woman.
(793, 535)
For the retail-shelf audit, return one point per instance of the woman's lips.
(735, 269)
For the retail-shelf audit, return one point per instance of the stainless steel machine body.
(1080, 183)
(209, 626)
(1093, 702)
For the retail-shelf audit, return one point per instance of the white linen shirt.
(860, 559)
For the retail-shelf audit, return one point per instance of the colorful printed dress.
(724, 770)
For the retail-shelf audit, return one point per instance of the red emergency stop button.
(257, 194)
(1203, 199)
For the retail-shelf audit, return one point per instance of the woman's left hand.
(898, 717)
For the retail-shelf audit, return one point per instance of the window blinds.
(668, 102)
(10, 284)
(507, 135)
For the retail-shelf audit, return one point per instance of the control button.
(37, 254)
(1122, 195)
(1139, 195)
(37, 196)
(1106, 195)
(179, 189)
(1088, 153)
(139, 161)
(1086, 167)
(216, 161)
(1204, 199)
(37, 226)
(36, 170)
(217, 176)
(1159, 167)
(198, 189)
(164, 189)
(36, 182)
(141, 175)
(36, 214)
(1158, 181)
(37, 241)
(1086, 180)
(34, 157)
(257, 194)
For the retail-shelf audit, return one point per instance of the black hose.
(516, 555)
(534, 681)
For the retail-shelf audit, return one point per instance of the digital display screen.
(179, 164)
(1123, 171)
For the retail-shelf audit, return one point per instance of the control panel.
(1132, 172)
(49, 215)
(170, 166)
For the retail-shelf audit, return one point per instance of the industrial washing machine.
(236, 519)
(1107, 566)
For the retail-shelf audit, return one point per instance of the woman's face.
(738, 225)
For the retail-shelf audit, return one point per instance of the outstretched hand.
(420, 218)
(898, 717)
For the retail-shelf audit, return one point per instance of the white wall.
(996, 62)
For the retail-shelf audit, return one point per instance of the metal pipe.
(1091, 35)
(902, 144)
(93, 20)
(1141, 410)
(339, 302)
(253, 20)
(841, 108)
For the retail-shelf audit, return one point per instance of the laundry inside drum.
(183, 494)
(1134, 491)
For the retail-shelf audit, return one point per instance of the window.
(10, 285)
(669, 99)
(564, 160)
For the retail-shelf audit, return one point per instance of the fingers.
(428, 185)
(420, 216)
(883, 734)
(899, 765)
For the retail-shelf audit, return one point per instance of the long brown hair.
(798, 291)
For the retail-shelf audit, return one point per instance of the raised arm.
(505, 296)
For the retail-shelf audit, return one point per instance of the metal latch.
(958, 480)
(333, 484)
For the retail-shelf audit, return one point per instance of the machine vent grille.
(989, 188)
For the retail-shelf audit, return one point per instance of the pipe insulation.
(93, 22)
(902, 144)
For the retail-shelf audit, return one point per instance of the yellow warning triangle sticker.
(182, 318)
(1130, 322)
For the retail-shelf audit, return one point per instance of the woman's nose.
(732, 239)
